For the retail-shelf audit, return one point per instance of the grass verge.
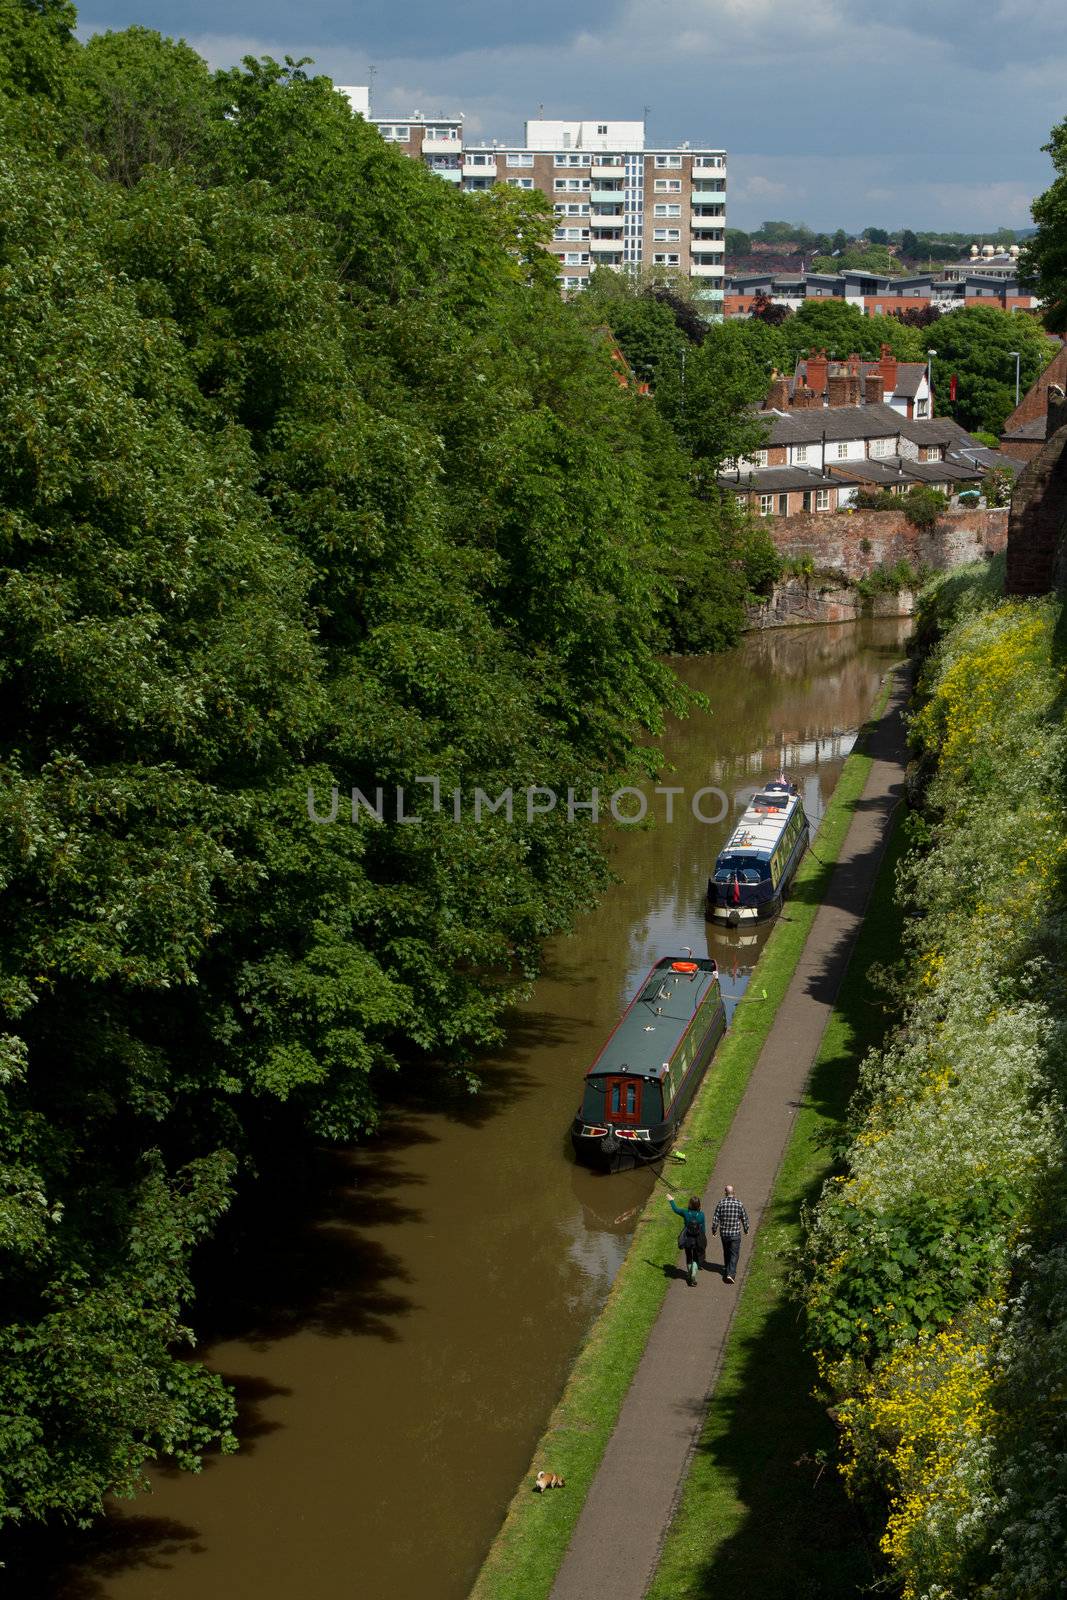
(763, 1511)
(527, 1552)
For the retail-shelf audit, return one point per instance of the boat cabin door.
(622, 1100)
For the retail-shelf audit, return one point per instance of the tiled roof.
(1028, 430)
(935, 430)
(833, 422)
(771, 480)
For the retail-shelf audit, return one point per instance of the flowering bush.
(935, 1286)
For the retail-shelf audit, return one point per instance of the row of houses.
(820, 382)
(966, 284)
(820, 459)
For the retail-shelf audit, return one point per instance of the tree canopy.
(1043, 262)
(310, 483)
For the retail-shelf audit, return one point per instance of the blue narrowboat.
(754, 870)
(640, 1085)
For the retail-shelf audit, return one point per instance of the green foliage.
(975, 345)
(934, 1275)
(309, 482)
(891, 580)
(737, 242)
(997, 486)
(1043, 260)
(843, 330)
(875, 259)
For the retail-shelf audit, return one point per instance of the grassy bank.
(763, 1512)
(527, 1552)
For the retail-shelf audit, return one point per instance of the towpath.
(619, 1534)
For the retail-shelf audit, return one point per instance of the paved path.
(616, 1544)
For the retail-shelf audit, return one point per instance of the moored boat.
(640, 1085)
(755, 869)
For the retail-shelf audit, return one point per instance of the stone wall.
(799, 601)
(855, 543)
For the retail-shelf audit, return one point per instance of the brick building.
(1023, 435)
(904, 386)
(883, 294)
(818, 458)
(616, 203)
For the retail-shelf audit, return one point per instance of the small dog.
(547, 1480)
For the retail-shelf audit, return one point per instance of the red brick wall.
(835, 540)
(1034, 402)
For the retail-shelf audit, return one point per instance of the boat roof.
(762, 825)
(651, 1028)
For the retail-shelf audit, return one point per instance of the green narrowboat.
(640, 1085)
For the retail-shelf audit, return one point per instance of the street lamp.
(930, 354)
(1015, 353)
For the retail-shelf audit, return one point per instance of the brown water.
(398, 1349)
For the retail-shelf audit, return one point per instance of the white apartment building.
(616, 203)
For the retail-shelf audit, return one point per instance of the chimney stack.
(872, 387)
(817, 365)
(888, 364)
(837, 382)
(778, 393)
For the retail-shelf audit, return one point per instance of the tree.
(842, 330)
(975, 346)
(909, 245)
(767, 311)
(737, 242)
(1043, 259)
(36, 44)
(877, 259)
(839, 241)
(876, 235)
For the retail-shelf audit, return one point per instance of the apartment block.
(616, 203)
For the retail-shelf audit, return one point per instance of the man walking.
(730, 1217)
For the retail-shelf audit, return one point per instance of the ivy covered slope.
(307, 478)
(936, 1272)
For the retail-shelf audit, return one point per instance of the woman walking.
(693, 1238)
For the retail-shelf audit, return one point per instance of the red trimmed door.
(622, 1100)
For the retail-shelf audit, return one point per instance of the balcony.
(611, 245)
(442, 147)
(709, 187)
(706, 269)
(607, 214)
(607, 197)
(479, 169)
(605, 168)
(608, 261)
(707, 247)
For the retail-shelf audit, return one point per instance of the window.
(668, 185)
(601, 127)
(783, 505)
(800, 453)
(478, 183)
(760, 458)
(578, 159)
(822, 499)
(571, 233)
(665, 235)
(520, 183)
(575, 258)
(571, 183)
(922, 409)
(396, 134)
(766, 505)
(668, 161)
(574, 209)
(881, 447)
(842, 451)
(573, 283)
(442, 133)
(708, 161)
(519, 158)
(480, 158)
(742, 500)
(665, 260)
(665, 209)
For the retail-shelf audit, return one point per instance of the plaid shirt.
(730, 1216)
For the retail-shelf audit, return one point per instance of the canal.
(400, 1324)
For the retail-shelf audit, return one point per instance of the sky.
(837, 113)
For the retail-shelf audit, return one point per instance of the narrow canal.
(399, 1328)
